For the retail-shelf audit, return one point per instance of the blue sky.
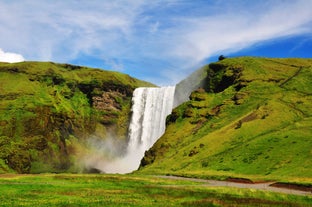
(161, 41)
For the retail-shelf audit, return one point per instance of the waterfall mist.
(150, 107)
(185, 87)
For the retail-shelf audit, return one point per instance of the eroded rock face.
(108, 101)
(109, 104)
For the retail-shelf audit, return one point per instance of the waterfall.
(150, 107)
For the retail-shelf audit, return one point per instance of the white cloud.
(10, 57)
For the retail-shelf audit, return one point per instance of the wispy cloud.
(160, 41)
(52, 30)
(233, 31)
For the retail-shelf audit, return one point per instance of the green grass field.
(130, 190)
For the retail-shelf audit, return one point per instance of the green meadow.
(130, 190)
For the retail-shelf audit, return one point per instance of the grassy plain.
(130, 190)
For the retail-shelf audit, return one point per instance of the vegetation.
(118, 190)
(48, 112)
(252, 119)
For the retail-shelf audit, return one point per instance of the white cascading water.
(150, 107)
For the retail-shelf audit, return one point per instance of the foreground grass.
(129, 190)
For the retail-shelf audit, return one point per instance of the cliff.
(49, 112)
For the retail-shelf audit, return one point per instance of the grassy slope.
(255, 122)
(47, 110)
(117, 190)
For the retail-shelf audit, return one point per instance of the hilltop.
(252, 118)
(53, 114)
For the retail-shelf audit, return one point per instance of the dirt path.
(258, 186)
(291, 77)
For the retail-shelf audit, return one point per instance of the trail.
(257, 186)
(291, 77)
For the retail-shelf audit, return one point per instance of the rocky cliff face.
(49, 111)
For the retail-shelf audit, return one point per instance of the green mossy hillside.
(48, 112)
(252, 119)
